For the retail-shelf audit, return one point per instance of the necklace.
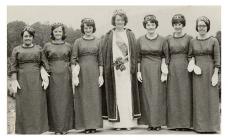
(27, 46)
(151, 38)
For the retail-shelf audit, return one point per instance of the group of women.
(154, 80)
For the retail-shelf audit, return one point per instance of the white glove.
(75, 73)
(75, 79)
(214, 79)
(76, 70)
(15, 85)
(164, 77)
(75, 82)
(164, 68)
(139, 77)
(197, 70)
(191, 65)
(44, 76)
(100, 81)
(45, 84)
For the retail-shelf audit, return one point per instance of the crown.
(203, 18)
(57, 24)
(28, 28)
(86, 20)
(149, 17)
(178, 16)
(119, 11)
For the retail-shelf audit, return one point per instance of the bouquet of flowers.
(119, 63)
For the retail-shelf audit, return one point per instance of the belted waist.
(176, 55)
(29, 61)
(88, 54)
(203, 54)
(59, 59)
(151, 54)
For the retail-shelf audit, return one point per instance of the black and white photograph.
(114, 69)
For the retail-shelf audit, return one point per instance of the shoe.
(87, 131)
(150, 128)
(157, 128)
(93, 130)
(64, 133)
(128, 129)
(57, 133)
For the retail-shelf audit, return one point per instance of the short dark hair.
(205, 20)
(123, 15)
(151, 21)
(54, 26)
(88, 24)
(29, 29)
(178, 18)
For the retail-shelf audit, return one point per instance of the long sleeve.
(74, 55)
(100, 56)
(188, 45)
(216, 53)
(14, 61)
(132, 46)
(44, 61)
(165, 50)
(138, 50)
(70, 53)
(190, 49)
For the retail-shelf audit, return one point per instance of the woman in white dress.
(121, 89)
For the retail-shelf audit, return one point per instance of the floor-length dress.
(123, 82)
(87, 53)
(206, 115)
(60, 94)
(31, 105)
(153, 95)
(179, 91)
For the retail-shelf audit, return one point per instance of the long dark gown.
(153, 95)
(206, 115)
(88, 54)
(31, 105)
(60, 94)
(179, 92)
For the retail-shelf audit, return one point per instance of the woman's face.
(178, 27)
(119, 22)
(58, 33)
(202, 28)
(88, 30)
(151, 27)
(27, 38)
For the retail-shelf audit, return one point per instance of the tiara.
(57, 24)
(204, 18)
(28, 28)
(177, 16)
(149, 17)
(86, 20)
(119, 11)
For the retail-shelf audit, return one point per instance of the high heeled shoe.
(157, 128)
(128, 129)
(93, 130)
(150, 128)
(117, 129)
(87, 131)
(64, 133)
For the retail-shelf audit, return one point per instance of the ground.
(142, 129)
